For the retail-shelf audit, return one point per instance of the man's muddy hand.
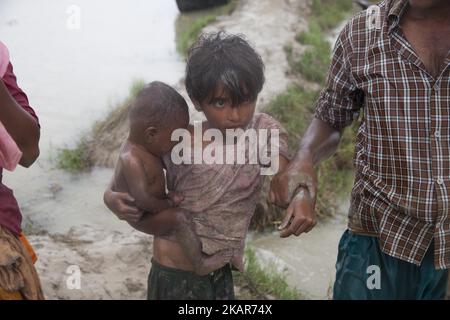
(300, 216)
(285, 185)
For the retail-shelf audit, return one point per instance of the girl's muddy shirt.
(222, 197)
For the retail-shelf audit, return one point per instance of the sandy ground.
(110, 265)
(113, 259)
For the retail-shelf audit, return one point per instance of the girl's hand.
(122, 205)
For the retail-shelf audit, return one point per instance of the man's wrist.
(303, 156)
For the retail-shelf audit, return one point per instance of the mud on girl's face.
(223, 114)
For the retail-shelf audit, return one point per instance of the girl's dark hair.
(227, 59)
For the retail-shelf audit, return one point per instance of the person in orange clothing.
(18, 277)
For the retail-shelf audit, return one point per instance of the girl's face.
(222, 115)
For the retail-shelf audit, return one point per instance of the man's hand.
(300, 216)
(122, 205)
(300, 173)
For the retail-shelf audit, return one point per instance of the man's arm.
(141, 189)
(338, 105)
(295, 188)
(21, 126)
(319, 142)
(283, 162)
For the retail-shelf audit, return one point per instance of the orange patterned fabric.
(18, 277)
(10, 296)
(29, 248)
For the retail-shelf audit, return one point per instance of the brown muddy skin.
(319, 142)
(170, 254)
(426, 26)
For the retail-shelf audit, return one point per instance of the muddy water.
(307, 261)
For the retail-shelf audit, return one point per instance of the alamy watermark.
(73, 21)
(373, 17)
(73, 281)
(374, 279)
(235, 146)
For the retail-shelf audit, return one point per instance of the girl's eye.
(220, 103)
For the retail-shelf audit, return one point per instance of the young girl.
(224, 76)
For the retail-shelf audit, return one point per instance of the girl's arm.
(121, 204)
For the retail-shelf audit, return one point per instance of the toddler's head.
(155, 113)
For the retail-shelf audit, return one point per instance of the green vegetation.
(325, 15)
(262, 283)
(190, 24)
(293, 108)
(314, 63)
(73, 160)
(329, 13)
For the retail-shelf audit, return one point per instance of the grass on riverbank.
(262, 283)
(325, 16)
(313, 64)
(190, 24)
(74, 160)
(330, 13)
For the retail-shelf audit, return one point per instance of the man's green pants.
(166, 283)
(363, 272)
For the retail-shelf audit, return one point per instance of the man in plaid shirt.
(392, 60)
